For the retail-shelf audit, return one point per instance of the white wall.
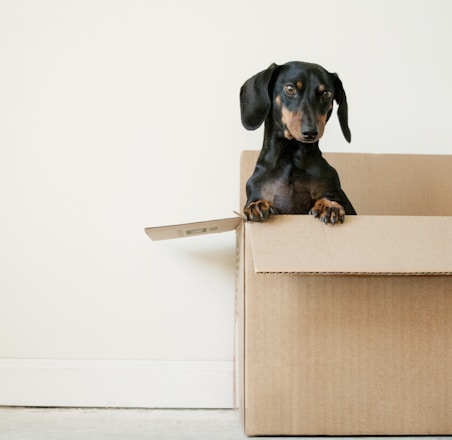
(117, 115)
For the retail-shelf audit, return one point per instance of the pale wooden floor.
(121, 424)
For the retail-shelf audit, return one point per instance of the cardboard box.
(347, 329)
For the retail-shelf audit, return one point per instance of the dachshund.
(291, 177)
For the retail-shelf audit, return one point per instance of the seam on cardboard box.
(407, 274)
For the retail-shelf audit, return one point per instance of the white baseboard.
(111, 383)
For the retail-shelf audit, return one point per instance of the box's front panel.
(348, 355)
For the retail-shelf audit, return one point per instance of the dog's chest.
(290, 193)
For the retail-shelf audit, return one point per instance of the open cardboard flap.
(361, 245)
(193, 229)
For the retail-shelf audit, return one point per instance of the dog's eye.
(290, 89)
(325, 96)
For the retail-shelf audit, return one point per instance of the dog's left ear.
(342, 110)
(255, 101)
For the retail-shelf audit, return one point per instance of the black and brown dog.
(291, 177)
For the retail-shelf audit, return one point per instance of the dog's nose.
(309, 135)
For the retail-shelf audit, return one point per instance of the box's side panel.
(348, 355)
(239, 322)
(247, 405)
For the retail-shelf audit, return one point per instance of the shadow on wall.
(221, 260)
(213, 253)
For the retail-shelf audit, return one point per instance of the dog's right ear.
(255, 99)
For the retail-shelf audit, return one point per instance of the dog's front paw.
(328, 211)
(259, 211)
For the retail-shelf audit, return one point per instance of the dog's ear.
(255, 99)
(342, 110)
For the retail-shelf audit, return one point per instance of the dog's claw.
(314, 213)
(259, 211)
(328, 211)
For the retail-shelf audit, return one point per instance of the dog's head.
(298, 96)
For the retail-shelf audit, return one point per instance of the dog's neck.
(276, 145)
